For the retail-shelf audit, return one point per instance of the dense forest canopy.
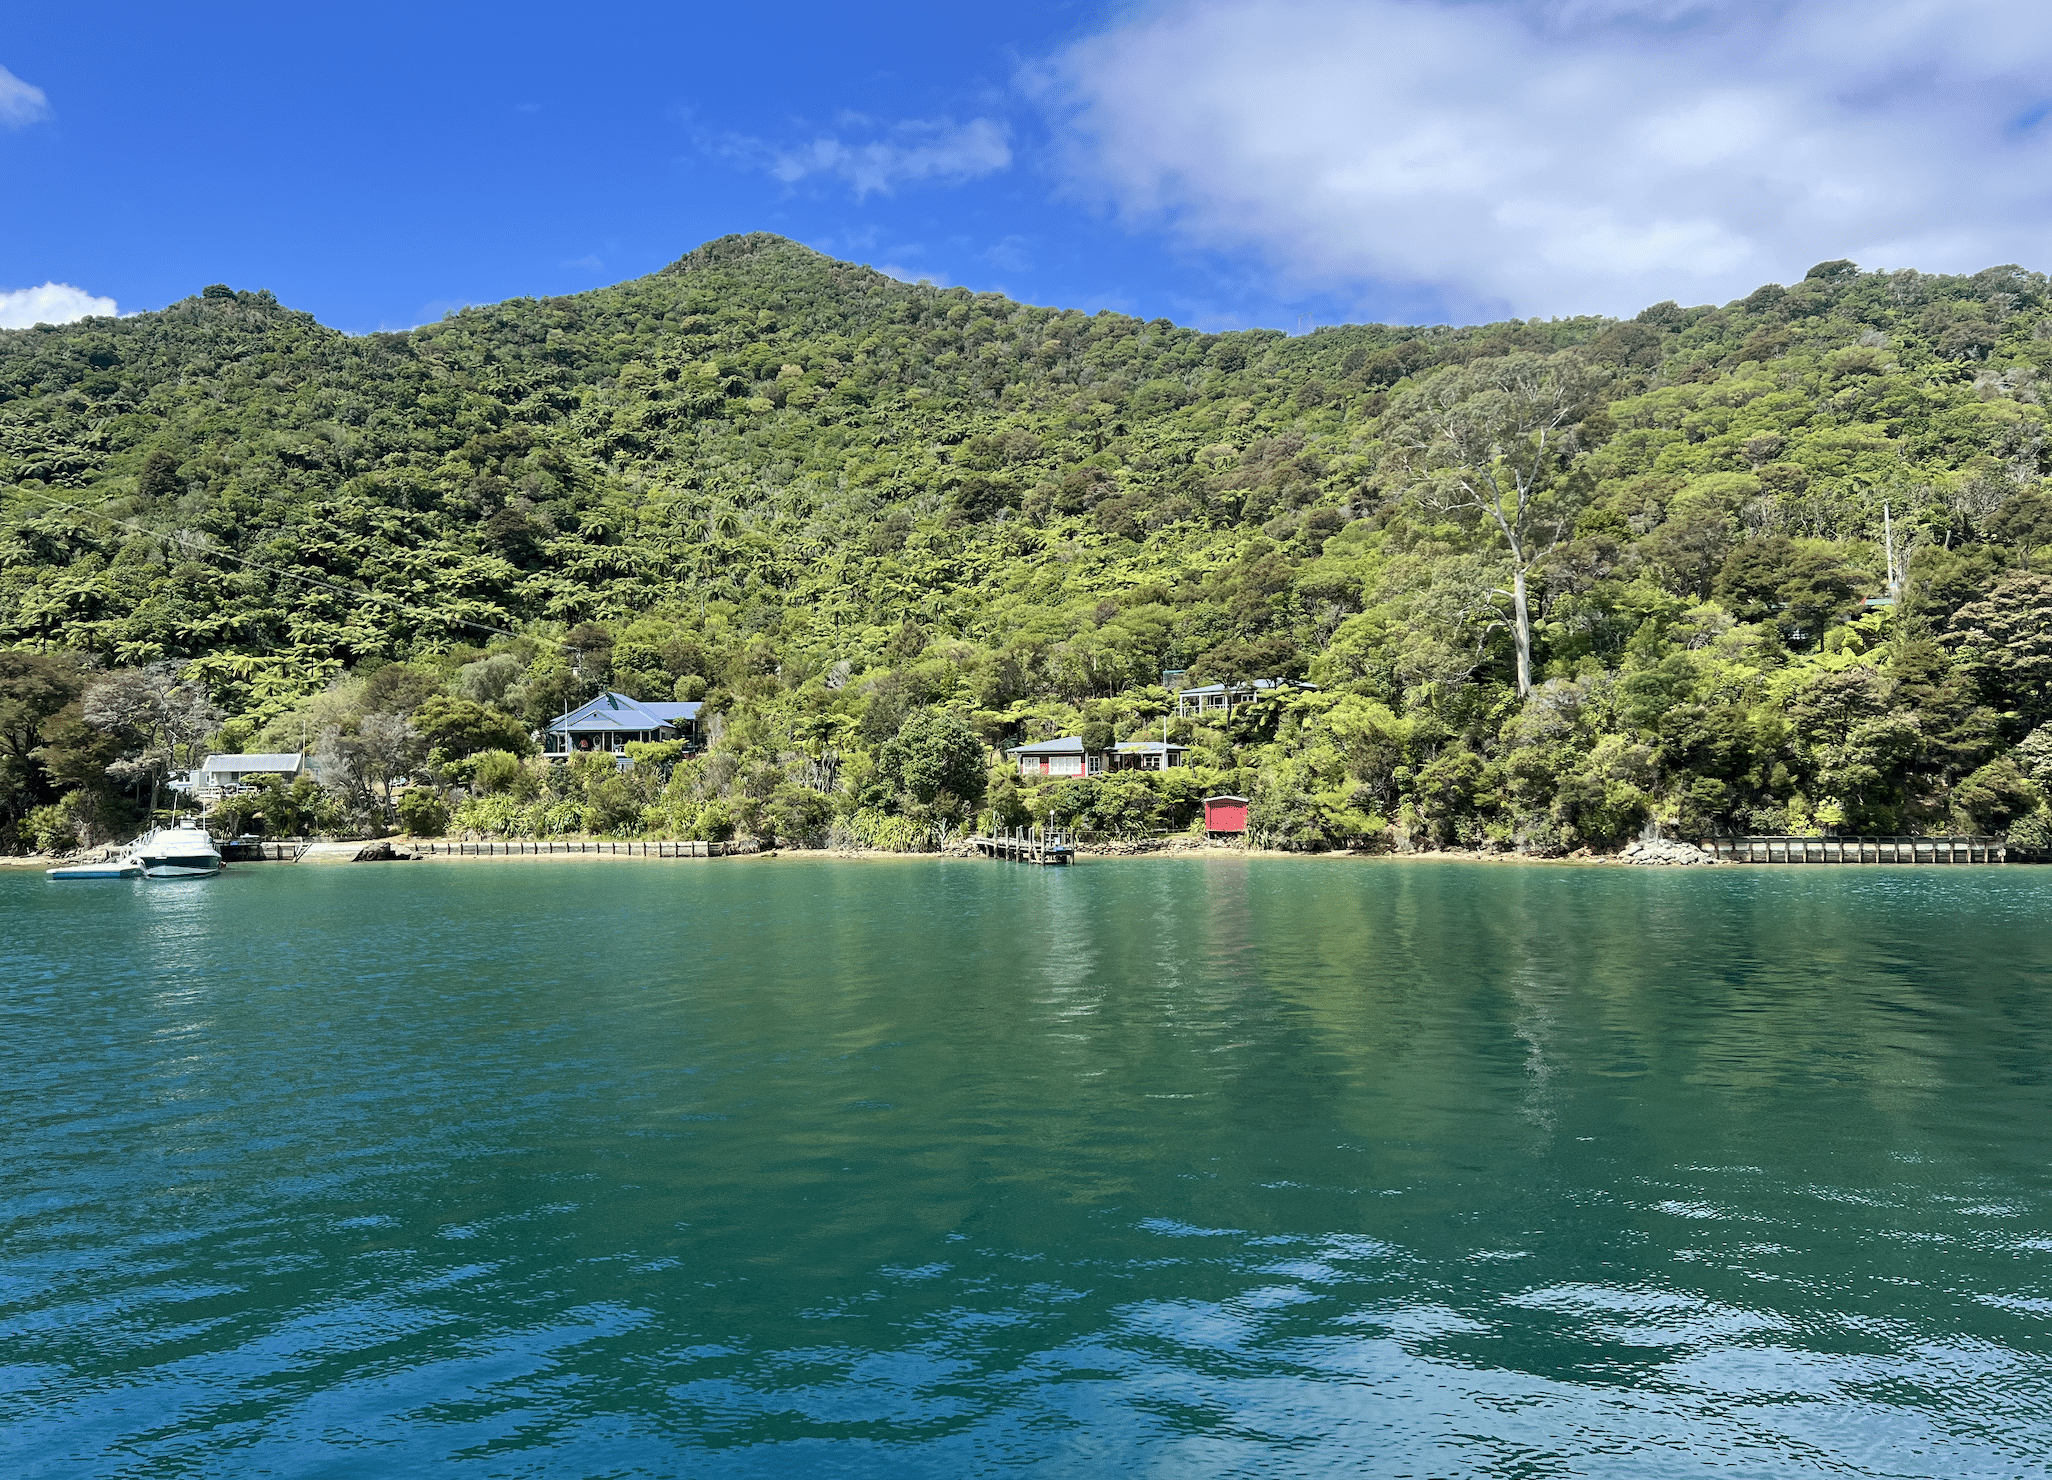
(1779, 565)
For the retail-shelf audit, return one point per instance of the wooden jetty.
(1972, 848)
(1024, 845)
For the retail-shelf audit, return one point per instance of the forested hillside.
(1779, 565)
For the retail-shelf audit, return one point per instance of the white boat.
(183, 850)
(120, 868)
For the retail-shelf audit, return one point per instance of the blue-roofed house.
(610, 721)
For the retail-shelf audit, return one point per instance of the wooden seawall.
(287, 851)
(293, 850)
(1963, 849)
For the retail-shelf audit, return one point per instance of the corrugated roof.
(279, 762)
(613, 711)
(1073, 745)
(1067, 745)
(1254, 683)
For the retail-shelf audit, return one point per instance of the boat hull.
(180, 868)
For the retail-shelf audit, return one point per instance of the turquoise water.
(1164, 1167)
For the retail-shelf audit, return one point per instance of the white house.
(225, 775)
(1221, 698)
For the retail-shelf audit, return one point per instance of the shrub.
(495, 771)
(715, 822)
(2033, 834)
(611, 806)
(1993, 798)
(51, 829)
(885, 832)
(422, 813)
(796, 815)
(500, 815)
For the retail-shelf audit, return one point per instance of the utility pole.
(1888, 539)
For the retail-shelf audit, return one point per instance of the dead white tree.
(1488, 439)
(159, 720)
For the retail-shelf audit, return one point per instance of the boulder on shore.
(380, 853)
(1664, 851)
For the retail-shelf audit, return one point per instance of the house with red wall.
(1068, 756)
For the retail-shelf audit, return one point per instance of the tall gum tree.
(1488, 438)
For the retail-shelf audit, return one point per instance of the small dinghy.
(120, 868)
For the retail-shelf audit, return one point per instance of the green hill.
(865, 517)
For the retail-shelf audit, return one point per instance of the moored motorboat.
(183, 850)
(118, 868)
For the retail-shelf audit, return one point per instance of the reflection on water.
(1201, 1167)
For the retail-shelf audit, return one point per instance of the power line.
(293, 575)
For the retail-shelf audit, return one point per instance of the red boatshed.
(1225, 815)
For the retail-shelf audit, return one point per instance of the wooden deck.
(1025, 845)
(1962, 849)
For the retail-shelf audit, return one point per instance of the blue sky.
(1219, 162)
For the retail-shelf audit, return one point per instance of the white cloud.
(437, 309)
(913, 274)
(919, 151)
(53, 303)
(20, 103)
(1572, 156)
(1010, 255)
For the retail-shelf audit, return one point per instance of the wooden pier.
(1963, 849)
(1024, 845)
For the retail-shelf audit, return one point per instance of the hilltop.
(873, 518)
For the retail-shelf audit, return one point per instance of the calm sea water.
(1162, 1167)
